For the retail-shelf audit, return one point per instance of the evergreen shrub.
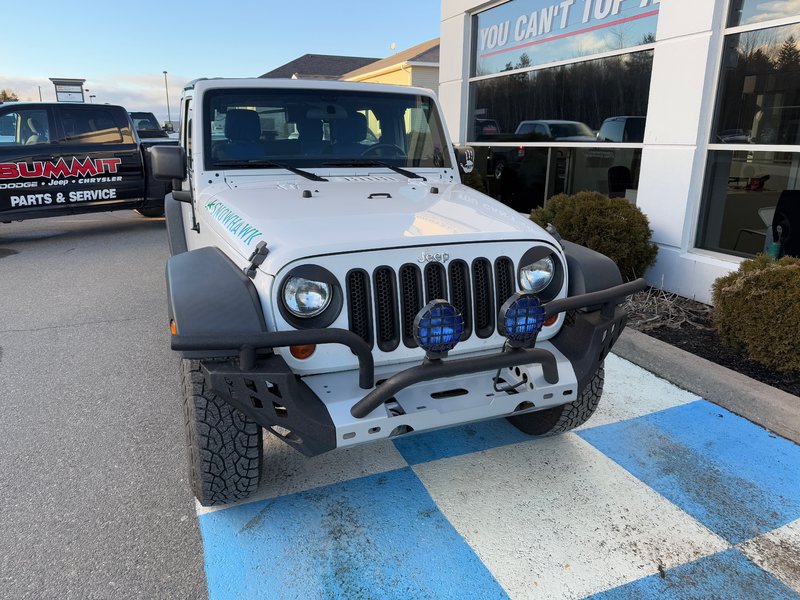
(757, 311)
(611, 226)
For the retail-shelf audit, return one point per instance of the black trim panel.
(208, 295)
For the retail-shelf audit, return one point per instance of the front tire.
(562, 418)
(224, 446)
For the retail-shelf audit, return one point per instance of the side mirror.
(465, 157)
(168, 162)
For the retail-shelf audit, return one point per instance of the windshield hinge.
(256, 258)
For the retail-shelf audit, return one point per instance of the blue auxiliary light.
(521, 320)
(438, 328)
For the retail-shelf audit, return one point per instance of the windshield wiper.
(373, 163)
(256, 163)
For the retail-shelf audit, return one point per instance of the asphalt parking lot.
(662, 494)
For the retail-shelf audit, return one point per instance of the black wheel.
(151, 213)
(498, 170)
(224, 446)
(565, 417)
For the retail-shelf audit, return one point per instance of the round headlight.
(536, 276)
(306, 298)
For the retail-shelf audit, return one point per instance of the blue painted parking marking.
(726, 574)
(429, 516)
(457, 441)
(735, 477)
(380, 536)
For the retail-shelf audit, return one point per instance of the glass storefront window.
(561, 30)
(759, 93)
(524, 177)
(746, 12)
(538, 106)
(741, 193)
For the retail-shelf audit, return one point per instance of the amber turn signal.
(551, 320)
(302, 352)
(173, 328)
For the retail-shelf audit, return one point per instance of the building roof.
(318, 66)
(426, 52)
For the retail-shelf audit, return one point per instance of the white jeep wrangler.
(333, 282)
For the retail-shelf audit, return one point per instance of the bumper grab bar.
(246, 345)
(609, 297)
(435, 369)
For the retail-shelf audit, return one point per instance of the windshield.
(144, 121)
(316, 128)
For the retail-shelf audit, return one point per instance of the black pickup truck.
(63, 159)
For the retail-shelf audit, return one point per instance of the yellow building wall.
(398, 77)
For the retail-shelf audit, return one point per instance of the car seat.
(38, 131)
(243, 130)
(619, 180)
(787, 218)
(310, 135)
(348, 133)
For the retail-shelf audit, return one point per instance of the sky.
(122, 48)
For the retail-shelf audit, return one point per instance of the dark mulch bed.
(687, 324)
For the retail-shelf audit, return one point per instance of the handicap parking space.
(661, 494)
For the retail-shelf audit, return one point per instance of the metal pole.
(40, 92)
(166, 91)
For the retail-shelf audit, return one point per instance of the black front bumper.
(264, 387)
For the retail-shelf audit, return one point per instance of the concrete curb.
(762, 404)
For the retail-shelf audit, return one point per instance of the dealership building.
(688, 108)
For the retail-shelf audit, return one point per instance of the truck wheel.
(224, 446)
(150, 213)
(563, 418)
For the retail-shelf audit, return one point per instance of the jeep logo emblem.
(427, 257)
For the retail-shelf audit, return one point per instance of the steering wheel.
(396, 150)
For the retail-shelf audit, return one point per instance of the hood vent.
(366, 179)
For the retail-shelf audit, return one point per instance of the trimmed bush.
(611, 226)
(757, 311)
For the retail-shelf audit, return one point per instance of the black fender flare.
(589, 271)
(587, 338)
(176, 232)
(208, 295)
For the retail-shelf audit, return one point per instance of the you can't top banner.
(548, 32)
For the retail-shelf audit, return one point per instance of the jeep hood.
(300, 219)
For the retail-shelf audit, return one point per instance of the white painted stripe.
(558, 519)
(631, 392)
(778, 552)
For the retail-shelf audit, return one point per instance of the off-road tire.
(151, 213)
(224, 446)
(562, 418)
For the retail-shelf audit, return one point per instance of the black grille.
(504, 280)
(460, 294)
(435, 286)
(388, 334)
(410, 301)
(384, 315)
(358, 304)
(484, 297)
